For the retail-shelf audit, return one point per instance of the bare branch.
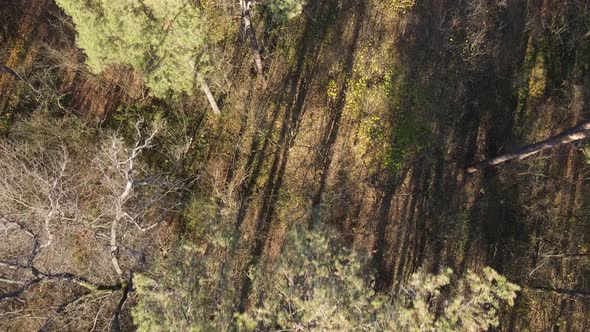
(127, 174)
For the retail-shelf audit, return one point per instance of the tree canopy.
(316, 284)
(284, 10)
(164, 39)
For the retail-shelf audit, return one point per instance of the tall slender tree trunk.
(574, 134)
(210, 97)
(250, 32)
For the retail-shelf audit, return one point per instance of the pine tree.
(318, 284)
(166, 40)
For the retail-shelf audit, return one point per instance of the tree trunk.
(9, 70)
(576, 133)
(210, 97)
(250, 32)
(561, 291)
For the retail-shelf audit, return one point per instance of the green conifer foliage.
(284, 10)
(315, 285)
(164, 39)
(435, 303)
(191, 290)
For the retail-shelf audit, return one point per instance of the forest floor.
(367, 121)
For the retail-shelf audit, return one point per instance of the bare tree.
(60, 183)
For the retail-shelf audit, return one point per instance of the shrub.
(284, 10)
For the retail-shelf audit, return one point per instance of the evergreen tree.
(166, 40)
(318, 284)
(315, 285)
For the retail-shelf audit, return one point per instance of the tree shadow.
(476, 117)
(331, 130)
(296, 86)
(468, 221)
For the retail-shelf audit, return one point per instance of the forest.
(294, 165)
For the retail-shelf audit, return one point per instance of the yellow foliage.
(332, 90)
(537, 80)
(401, 5)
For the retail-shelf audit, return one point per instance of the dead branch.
(127, 173)
(561, 291)
(246, 18)
(10, 71)
(574, 134)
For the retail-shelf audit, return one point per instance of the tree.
(82, 209)
(574, 134)
(319, 284)
(166, 40)
(246, 7)
(315, 284)
(192, 289)
(281, 11)
(472, 304)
